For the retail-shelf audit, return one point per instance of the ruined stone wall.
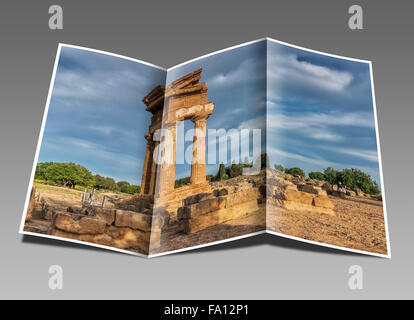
(205, 210)
(117, 228)
(297, 194)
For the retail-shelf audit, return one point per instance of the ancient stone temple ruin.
(195, 206)
(138, 222)
(184, 99)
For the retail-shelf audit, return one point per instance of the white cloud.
(286, 68)
(276, 153)
(248, 70)
(255, 123)
(80, 149)
(323, 134)
(110, 131)
(277, 156)
(318, 126)
(369, 155)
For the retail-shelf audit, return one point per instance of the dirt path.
(358, 224)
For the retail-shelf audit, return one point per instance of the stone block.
(351, 193)
(134, 220)
(220, 192)
(338, 194)
(201, 208)
(47, 211)
(79, 224)
(359, 192)
(196, 198)
(291, 187)
(321, 201)
(102, 238)
(210, 219)
(307, 188)
(105, 214)
(321, 192)
(298, 196)
(121, 238)
(126, 238)
(73, 209)
(327, 187)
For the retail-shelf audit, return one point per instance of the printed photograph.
(324, 179)
(260, 137)
(92, 152)
(213, 189)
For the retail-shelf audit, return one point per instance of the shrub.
(296, 171)
(104, 183)
(63, 174)
(331, 175)
(317, 176)
(279, 167)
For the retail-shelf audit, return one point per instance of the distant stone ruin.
(297, 194)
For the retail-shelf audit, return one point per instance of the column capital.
(199, 119)
(149, 137)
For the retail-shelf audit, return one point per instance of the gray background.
(171, 32)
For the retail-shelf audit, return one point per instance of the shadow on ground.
(276, 241)
(258, 240)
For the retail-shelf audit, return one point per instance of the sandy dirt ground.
(358, 224)
(250, 223)
(72, 197)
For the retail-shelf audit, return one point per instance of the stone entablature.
(183, 99)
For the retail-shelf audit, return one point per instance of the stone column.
(166, 173)
(198, 164)
(152, 172)
(147, 163)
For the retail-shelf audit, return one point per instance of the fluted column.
(166, 174)
(152, 171)
(198, 164)
(144, 185)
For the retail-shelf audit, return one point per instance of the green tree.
(235, 170)
(331, 175)
(316, 175)
(130, 188)
(104, 183)
(221, 171)
(352, 178)
(182, 182)
(279, 167)
(68, 174)
(355, 178)
(40, 172)
(347, 178)
(296, 171)
(122, 183)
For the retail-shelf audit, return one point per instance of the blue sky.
(236, 81)
(96, 117)
(320, 111)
